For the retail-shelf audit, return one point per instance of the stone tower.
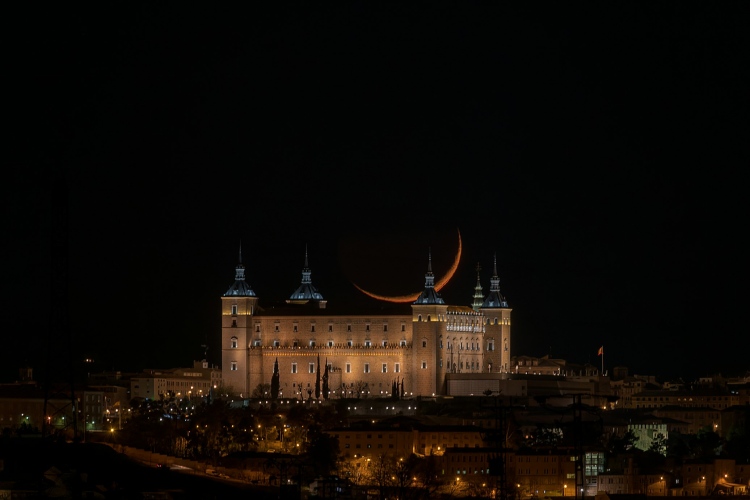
(429, 327)
(497, 327)
(238, 305)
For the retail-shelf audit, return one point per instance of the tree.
(325, 382)
(261, 391)
(317, 380)
(275, 380)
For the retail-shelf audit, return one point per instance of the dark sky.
(598, 149)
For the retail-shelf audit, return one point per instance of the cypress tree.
(275, 380)
(317, 380)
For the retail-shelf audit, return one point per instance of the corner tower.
(429, 328)
(238, 305)
(497, 327)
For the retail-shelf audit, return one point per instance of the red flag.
(601, 351)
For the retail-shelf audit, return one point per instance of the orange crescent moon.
(413, 297)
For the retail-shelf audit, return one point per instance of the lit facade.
(415, 345)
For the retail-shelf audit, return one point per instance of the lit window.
(234, 310)
(403, 343)
(367, 367)
(233, 343)
(385, 367)
(349, 343)
(330, 343)
(256, 343)
(384, 343)
(233, 366)
(424, 365)
(368, 343)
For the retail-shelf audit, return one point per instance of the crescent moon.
(413, 297)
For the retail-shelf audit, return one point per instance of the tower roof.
(429, 295)
(495, 299)
(306, 291)
(240, 288)
(478, 297)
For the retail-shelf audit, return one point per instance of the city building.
(195, 382)
(412, 345)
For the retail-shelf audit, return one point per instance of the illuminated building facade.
(367, 353)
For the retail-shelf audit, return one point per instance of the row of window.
(233, 342)
(348, 368)
(295, 328)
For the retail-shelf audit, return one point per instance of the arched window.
(233, 343)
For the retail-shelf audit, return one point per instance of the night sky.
(597, 149)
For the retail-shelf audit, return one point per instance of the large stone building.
(412, 346)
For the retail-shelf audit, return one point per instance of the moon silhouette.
(414, 296)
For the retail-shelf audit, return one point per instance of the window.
(330, 328)
(385, 367)
(233, 366)
(385, 327)
(330, 343)
(295, 344)
(384, 343)
(367, 327)
(349, 343)
(312, 343)
(312, 328)
(367, 367)
(256, 343)
(403, 343)
(349, 328)
(348, 368)
(276, 343)
(233, 343)
(311, 368)
(234, 309)
(295, 328)
(403, 327)
(276, 328)
(424, 343)
(368, 343)
(424, 365)
(257, 328)
(491, 345)
(294, 367)
(397, 368)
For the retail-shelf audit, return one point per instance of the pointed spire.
(429, 295)
(478, 297)
(495, 298)
(240, 286)
(306, 291)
